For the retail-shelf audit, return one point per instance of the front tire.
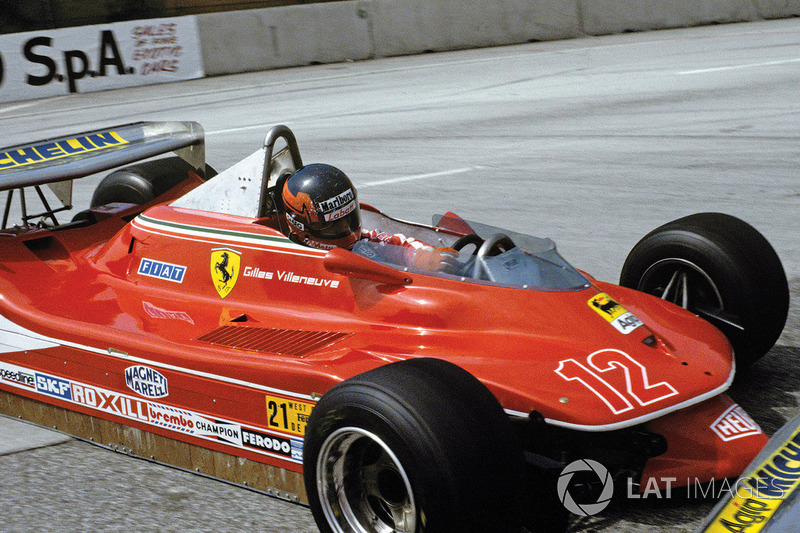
(419, 445)
(720, 268)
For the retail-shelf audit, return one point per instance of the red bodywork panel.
(216, 329)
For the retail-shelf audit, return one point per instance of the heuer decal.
(225, 264)
(616, 315)
(162, 270)
(617, 379)
(146, 382)
(735, 423)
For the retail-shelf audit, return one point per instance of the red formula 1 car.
(174, 320)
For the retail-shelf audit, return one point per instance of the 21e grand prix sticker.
(616, 315)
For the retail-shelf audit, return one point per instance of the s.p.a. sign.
(94, 58)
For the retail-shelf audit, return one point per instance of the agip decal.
(612, 312)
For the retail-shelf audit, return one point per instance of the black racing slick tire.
(414, 446)
(720, 268)
(141, 183)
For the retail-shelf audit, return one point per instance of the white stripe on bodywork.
(21, 339)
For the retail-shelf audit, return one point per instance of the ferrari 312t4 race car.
(174, 320)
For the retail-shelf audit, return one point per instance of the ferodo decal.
(759, 494)
(616, 315)
(275, 441)
(225, 264)
(48, 151)
(616, 378)
(288, 415)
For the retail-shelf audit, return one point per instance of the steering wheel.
(494, 245)
(466, 240)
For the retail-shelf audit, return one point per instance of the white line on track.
(415, 177)
(738, 67)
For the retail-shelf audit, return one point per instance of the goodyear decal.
(613, 313)
(52, 150)
(759, 494)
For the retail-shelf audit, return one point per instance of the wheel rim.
(362, 486)
(683, 283)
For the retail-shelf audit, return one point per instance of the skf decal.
(616, 315)
(618, 379)
(52, 386)
(146, 382)
(225, 264)
(161, 270)
(758, 495)
(56, 150)
(288, 415)
(735, 423)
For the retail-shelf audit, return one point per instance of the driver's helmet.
(321, 207)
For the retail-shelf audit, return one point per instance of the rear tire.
(720, 268)
(142, 183)
(419, 445)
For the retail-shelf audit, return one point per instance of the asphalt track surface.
(592, 142)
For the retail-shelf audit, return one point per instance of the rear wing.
(56, 162)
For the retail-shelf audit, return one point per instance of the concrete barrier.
(262, 39)
(269, 38)
(402, 27)
(600, 17)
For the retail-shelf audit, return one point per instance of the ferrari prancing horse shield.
(225, 269)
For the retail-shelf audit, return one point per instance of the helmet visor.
(347, 225)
